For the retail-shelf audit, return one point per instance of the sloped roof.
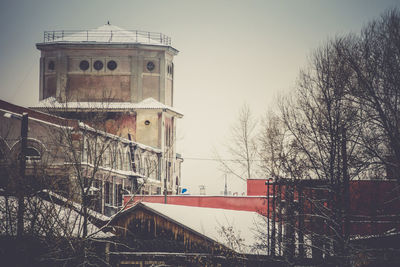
(49, 216)
(148, 103)
(107, 34)
(210, 222)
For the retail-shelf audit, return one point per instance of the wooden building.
(187, 236)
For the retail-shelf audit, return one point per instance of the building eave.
(102, 45)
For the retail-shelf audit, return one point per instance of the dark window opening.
(51, 65)
(169, 171)
(84, 65)
(85, 182)
(107, 193)
(98, 65)
(119, 195)
(112, 65)
(96, 184)
(150, 66)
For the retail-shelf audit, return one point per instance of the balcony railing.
(106, 36)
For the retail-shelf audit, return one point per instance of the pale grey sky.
(231, 52)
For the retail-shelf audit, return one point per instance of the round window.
(111, 65)
(51, 65)
(147, 122)
(84, 65)
(98, 65)
(150, 66)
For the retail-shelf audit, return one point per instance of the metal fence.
(117, 36)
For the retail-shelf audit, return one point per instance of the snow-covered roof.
(148, 103)
(94, 214)
(111, 170)
(388, 233)
(107, 34)
(210, 222)
(50, 218)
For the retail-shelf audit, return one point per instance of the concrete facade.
(66, 150)
(131, 80)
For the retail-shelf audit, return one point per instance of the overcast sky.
(231, 52)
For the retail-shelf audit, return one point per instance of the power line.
(27, 74)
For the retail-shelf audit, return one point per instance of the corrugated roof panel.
(149, 103)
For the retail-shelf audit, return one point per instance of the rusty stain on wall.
(99, 88)
(122, 125)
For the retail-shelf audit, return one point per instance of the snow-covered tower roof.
(106, 34)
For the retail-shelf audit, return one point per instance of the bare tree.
(316, 136)
(281, 156)
(374, 56)
(241, 146)
(343, 124)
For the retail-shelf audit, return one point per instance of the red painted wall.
(257, 204)
(257, 187)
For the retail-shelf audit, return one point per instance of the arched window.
(103, 159)
(149, 167)
(4, 151)
(113, 157)
(138, 162)
(35, 150)
(31, 153)
(170, 136)
(120, 160)
(88, 152)
(128, 161)
(167, 136)
(107, 158)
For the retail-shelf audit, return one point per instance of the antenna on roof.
(226, 187)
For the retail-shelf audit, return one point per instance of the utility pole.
(346, 193)
(273, 231)
(165, 182)
(22, 167)
(268, 235)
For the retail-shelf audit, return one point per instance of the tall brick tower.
(129, 75)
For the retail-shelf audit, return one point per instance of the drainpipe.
(20, 194)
